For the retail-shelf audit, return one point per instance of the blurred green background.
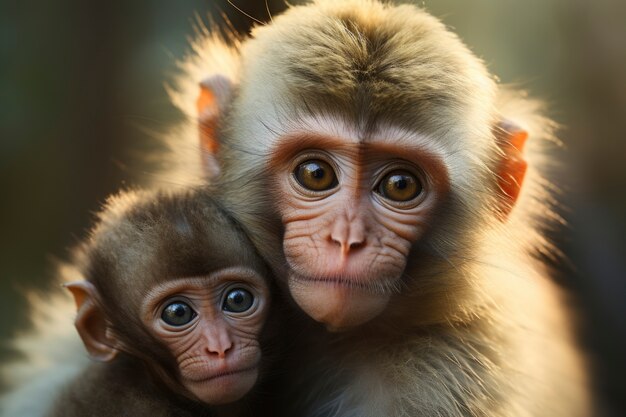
(81, 85)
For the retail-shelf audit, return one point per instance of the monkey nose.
(219, 346)
(349, 239)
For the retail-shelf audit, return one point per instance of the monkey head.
(172, 282)
(369, 133)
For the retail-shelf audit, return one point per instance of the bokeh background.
(82, 95)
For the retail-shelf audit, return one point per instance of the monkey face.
(352, 210)
(211, 326)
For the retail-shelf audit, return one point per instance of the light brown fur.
(479, 329)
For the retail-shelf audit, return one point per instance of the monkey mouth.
(213, 376)
(378, 286)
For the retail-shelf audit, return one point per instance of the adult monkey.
(393, 162)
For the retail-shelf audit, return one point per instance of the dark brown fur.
(141, 240)
(123, 388)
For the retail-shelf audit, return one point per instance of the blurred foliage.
(81, 87)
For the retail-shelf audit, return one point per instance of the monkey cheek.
(338, 307)
(225, 389)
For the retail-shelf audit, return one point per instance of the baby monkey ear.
(91, 322)
(215, 94)
(512, 167)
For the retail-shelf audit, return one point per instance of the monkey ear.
(512, 168)
(215, 93)
(91, 322)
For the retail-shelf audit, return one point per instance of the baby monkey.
(172, 309)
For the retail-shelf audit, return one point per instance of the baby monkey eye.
(315, 175)
(400, 186)
(238, 300)
(178, 313)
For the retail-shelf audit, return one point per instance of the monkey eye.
(178, 313)
(238, 300)
(315, 175)
(399, 185)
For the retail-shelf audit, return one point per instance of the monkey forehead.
(237, 273)
(334, 132)
(367, 62)
(145, 238)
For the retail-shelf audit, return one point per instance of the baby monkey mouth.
(226, 372)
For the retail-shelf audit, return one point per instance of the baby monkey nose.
(357, 244)
(219, 345)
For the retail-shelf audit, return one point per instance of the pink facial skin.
(211, 326)
(346, 245)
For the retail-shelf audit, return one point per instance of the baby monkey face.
(211, 324)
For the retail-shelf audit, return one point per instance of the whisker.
(245, 14)
(267, 7)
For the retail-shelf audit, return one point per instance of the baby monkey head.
(171, 281)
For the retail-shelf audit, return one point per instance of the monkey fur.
(146, 245)
(472, 326)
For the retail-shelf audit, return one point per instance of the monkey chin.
(337, 305)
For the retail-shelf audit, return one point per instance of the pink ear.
(91, 322)
(512, 168)
(215, 93)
